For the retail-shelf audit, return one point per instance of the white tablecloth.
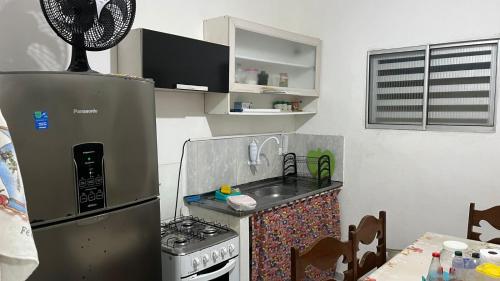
(413, 262)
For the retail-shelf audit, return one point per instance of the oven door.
(228, 271)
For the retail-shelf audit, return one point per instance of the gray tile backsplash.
(211, 163)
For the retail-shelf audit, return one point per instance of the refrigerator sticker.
(41, 119)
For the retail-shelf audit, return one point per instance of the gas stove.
(189, 234)
(193, 246)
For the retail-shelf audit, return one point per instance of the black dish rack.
(316, 170)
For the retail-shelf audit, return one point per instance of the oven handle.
(212, 275)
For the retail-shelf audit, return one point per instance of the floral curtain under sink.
(298, 224)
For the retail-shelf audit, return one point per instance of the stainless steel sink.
(275, 191)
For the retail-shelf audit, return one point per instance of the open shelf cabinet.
(266, 64)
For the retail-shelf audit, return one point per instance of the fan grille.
(77, 21)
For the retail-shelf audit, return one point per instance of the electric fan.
(89, 25)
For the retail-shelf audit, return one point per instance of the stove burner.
(209, 230)
(187, 234)
(187, 223)
(180, 241)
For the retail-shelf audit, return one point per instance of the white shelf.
(274, 62)
(272, 90)
(271, 113)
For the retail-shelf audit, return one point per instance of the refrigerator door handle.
(92, 220)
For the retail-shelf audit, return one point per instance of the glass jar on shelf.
(251, 76)
(275, 80)
(296, 105)
(240, 75)
(284, 80)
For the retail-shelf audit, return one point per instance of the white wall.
(424, 180)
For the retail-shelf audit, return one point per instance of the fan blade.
(58, 12)
(108, 23)
(76, 15)
(66, 8)
(100, 5)
(124, 8)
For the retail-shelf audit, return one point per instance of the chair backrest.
(369, 229)
(323, 255)
(491, 215)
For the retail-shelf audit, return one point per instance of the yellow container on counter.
(488, 272)
(225, 189)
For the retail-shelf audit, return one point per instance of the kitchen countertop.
(305, 188)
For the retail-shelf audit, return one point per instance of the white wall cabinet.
(290, 61)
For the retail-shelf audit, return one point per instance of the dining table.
(413, 262)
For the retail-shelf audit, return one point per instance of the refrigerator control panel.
(89, 174)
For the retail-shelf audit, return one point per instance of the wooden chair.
(369, 229)
(323, 255)
(491, 215)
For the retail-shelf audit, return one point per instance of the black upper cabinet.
(172, 61)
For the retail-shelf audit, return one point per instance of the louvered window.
(397, 88)
(433, 87)
(460, 85)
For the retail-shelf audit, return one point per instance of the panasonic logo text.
(85, 111)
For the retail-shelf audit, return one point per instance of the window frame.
(426, 127)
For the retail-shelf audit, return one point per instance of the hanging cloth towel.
(18, 255)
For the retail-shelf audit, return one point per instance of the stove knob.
(215, 255)
(223, 252)
(196, 262)
(205, 259)
(231, 249)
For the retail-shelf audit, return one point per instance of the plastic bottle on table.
(440, 275)
(458, 264)
(470, 265)
(453, 274)
(435, 269)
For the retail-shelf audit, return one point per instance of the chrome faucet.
(257, 161)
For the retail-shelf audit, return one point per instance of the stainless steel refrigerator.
(86, 146)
